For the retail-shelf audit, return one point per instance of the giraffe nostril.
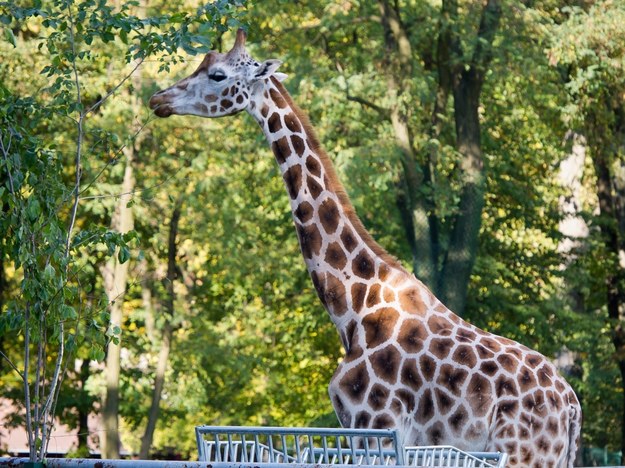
(157, 99)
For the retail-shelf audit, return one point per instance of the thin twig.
(112, 91)
(137, 191)
(40, 363)
(79, 137)
(113, 159)
(5, 155)
(29, 422)
(384, 112)
(13, 366)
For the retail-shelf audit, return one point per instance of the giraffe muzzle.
(161, 104)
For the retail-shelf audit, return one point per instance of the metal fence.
(298, 445)
(279, 445)
(452, 457)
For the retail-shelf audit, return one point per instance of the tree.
(591, 45)
(41, 207)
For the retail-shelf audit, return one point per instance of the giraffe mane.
(334, 181)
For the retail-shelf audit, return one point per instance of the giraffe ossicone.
(410, 363)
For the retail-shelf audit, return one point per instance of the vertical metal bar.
(366, 447)
(217, 447)
(243, 448)
(284, 448)
(230, 449)
(257, 448)
(353, 449)
(201, 448)
(298, 457)
(324, 444)
(311, 445)
(339, 449)
(399, 450)
(272, 458)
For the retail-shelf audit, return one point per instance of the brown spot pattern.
(373, 298)
(334, 295)
(452, 378)
(355, 382)
(314, 187)
(292, 123)
(310, 240)
(385, 363)
(410, 300)
(329, 215)
(411, 335)
(427, 366)
(281, 150)
(277, 98)
(335, 256)
(298, 145)
(349, 241)
(379, 326)
(304, 212)
(444, 401)
(384, 272)
(358, 296)
(377, 397)
(407, 398)
(293, 180)
(425, 410)
(479, 395)
(313, 165)
(274, 123)
(363, 266)
(440, 347)
(464, 355)
(410, 375)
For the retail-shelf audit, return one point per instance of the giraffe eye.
(217, 76)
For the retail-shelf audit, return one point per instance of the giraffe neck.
(346, 265)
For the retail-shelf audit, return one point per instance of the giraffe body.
(410, 363)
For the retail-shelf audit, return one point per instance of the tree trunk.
(3, 286)
(83, 413)
(463, 77)
(467, 80)
(163, 356)
(413, 207)
(460, 256)
(115, 280)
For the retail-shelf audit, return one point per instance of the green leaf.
(123, 255)
(33, 209)
(96, 354)
(49, 272)
(9, 37)
(68, 312)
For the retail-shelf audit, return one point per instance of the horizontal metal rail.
(98, 463)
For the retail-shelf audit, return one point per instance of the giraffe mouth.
(160, 105)
(163, 111)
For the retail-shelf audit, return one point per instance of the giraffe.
(410, 363)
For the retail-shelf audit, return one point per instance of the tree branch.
(489, 22)
(384, 112)
(5, 155)
(13, 366)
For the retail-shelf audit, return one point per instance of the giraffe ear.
(266, 69)
(281, 76)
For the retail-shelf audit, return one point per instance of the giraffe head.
(223, 84)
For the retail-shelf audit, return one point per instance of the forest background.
(154, 265)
